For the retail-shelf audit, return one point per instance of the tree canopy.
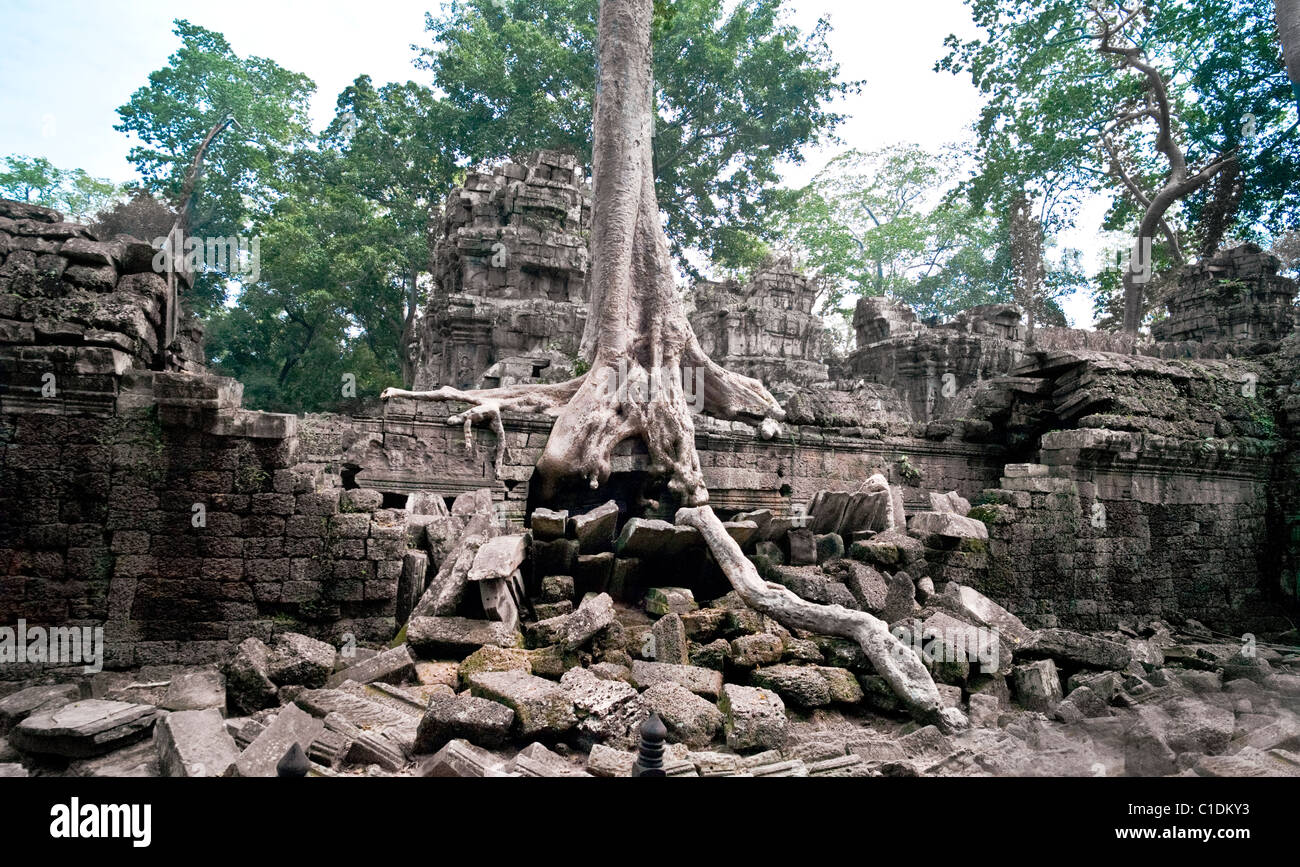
(203, 82)
(736, 93)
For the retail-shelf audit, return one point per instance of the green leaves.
(736, 94)
(1050, 95)
(204, 82)
(72, 192)
(885, 222)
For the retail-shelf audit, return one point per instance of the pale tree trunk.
(1288, 30)
(644, 357)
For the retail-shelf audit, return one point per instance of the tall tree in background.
(891, 222)
(203, 82)
(390, 147)
(735, 93)
(1051, 96)
(1117, 38)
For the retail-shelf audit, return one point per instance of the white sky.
(68, 67)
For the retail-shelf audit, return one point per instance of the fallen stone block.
(1038, 685)
(984, 711)
(605, 761)
(540, 706)
(18, 706)
(803, 547)
(300, 659)
(81, 729)
(754, 718)
(1076, 649)
(548, 524)
(670, 640)
(666, 600)
(900, 598)
(594, 530)
(535, 760)
(702, 681)
(743, 532)
(749, 651)
(477, 720)
(398, 725)
(291, 725)
(432, 637)
(843, 685)
(973, 606)
(365, 747)
(689, 719)
(194, 743)
(645, 537)
(492, 658)
(788, 768)
(839, 766)
(573, 630)
(868, 587)
(196, 690)
(498, 558)
(607, 710)
(558, 588)
(461, 759)
(391, 666)
(950, 502)
(802, 686)
(248, 684)
(946, 529)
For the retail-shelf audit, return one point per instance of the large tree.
(641, 347)
(737, 91)
(204, 82)
(1051, 97)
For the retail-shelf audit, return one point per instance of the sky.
(66, 73)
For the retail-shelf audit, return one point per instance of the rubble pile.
(542, 653)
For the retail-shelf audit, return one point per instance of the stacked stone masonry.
(1117, 479)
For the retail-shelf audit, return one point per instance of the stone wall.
(1117, 527)
(184, 525)
(411, 448)
(111, 444)
(135, 491)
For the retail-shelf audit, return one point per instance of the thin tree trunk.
(1288, 30)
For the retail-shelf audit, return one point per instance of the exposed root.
(614, 402)
(486, 405)
(901, 668)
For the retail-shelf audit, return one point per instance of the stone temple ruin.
(1073, 531)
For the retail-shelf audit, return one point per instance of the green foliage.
(72, 192)
(204, 82)
(1050, 94)
(910, 472)
(736, 93)
(891, 222)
